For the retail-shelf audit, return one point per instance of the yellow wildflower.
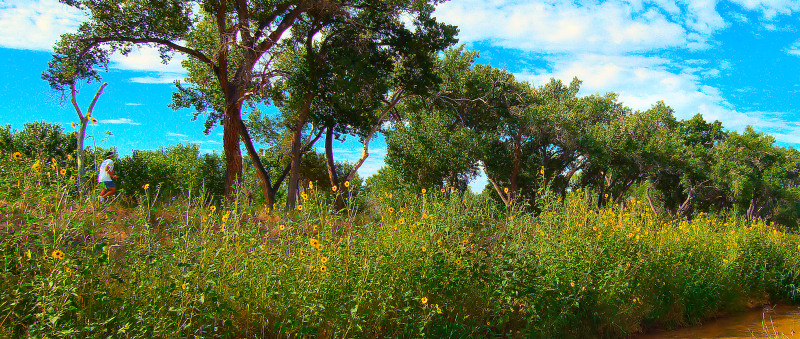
(17, 155)
(323, 260)
(57, 254)
(346, 184)
(146, 186)
(304, 196)
(505, 190)
(299, 207)
(333, 188)
(93, 120)
(313, 242)
(74, 125)
(213, 208)
(310, 185)
(441, 190)
(63, 171)
(438, 310)
(282, 227)
(323, 268)
(424, 300)
(391, 210)
(424, 191)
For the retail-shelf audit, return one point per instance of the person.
(105, 174)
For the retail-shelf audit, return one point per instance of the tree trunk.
(751, 210)
(506, 200)
(263, 175)
(84, 120)
(297, 132)
(79, 157)
(233, 153)
(516, 169)
(338, 203)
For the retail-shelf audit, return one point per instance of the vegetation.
(434, 263)
(598, 220)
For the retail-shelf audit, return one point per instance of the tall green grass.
(433, 264)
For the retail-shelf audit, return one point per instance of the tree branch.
(188, 51)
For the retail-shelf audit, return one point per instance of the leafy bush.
(173, 172)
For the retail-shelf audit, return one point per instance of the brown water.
(782, 321)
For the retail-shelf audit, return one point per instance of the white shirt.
(105, 167)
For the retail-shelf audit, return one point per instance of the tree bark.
(233, 153)
(297, 132)
(263, 175)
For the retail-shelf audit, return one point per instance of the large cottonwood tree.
(234, 41)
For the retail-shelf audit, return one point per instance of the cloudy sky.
(735, 61)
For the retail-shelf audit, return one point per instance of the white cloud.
(147, 59)
(770, 8)
(163, 78)
(120, 121)
(794, 49)
(35, 24)
(176, 135)
(563, 26)
(38, 25)
(132, 104)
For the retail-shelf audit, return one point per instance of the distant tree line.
(527, 138)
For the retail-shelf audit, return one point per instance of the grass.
(420, 265)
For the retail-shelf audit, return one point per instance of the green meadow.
(433, 263)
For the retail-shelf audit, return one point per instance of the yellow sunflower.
(63, 171)
(17, 155)
(57, 254)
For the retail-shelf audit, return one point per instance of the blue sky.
(734, 61)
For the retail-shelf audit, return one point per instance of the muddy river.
(782, 321)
